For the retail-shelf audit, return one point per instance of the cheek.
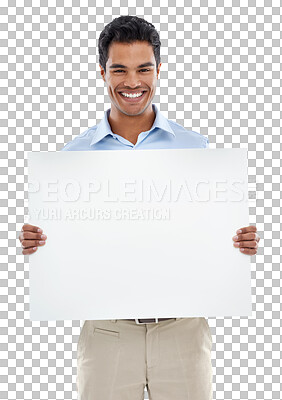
(152, 84)
(113, 85)
(153, 88)
(111, 89)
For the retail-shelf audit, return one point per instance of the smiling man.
(118, 358)
(131, 86)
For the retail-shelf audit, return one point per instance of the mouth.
(132, 99)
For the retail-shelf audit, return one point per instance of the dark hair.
(128, 29)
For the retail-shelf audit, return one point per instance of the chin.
(126, 111)
(132, 114)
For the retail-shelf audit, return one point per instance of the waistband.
(140, 321)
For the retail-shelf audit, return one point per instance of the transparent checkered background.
(220, 76)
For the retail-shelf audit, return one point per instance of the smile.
(132, 98)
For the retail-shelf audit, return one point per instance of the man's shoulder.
(81, 141)
(192, 137)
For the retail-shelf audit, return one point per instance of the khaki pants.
(118, 358)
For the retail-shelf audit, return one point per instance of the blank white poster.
(139, 234)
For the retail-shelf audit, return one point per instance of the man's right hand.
(30, 237)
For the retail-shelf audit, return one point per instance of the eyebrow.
(148, 64)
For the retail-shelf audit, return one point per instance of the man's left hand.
(247, 240)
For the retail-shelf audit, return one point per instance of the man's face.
(125, 73)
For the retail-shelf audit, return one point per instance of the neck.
(129, 127)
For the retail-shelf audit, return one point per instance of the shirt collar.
(104, 128)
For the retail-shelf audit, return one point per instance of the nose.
(132, 81)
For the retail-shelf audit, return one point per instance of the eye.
(121, 70)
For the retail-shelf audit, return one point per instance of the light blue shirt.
(164, 134)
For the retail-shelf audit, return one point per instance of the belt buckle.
(141, 323)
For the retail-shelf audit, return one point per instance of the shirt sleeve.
(64, 148)
(207, 143)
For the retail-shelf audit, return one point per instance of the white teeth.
(132, 95)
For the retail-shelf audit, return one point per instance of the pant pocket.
(107, 332)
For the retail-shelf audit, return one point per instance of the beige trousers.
(118, 358)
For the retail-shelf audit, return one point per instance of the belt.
(148, 320)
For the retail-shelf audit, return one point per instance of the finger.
(29, 251)
(250, 252)
(245, 236)
(247, 229)
(31, 236)
(31, 228)
(244, 244)
(32, 243)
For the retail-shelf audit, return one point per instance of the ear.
(158, 70)
(102, 73)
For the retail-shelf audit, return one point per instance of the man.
(118, 358)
